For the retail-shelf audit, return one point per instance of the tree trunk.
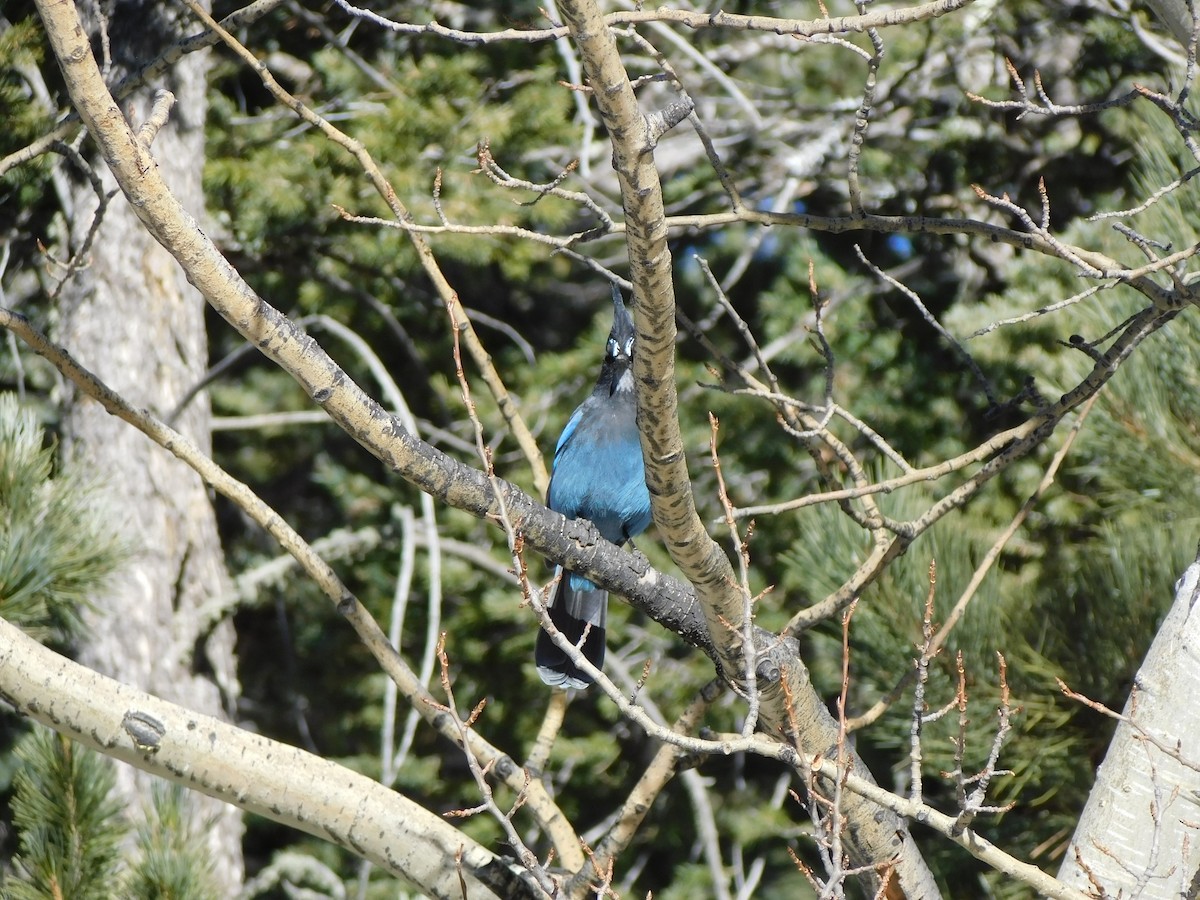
(132, 318)
(1138, 835)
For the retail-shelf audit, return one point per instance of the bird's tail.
(573, 611)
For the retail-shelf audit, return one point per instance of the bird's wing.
(569, 431)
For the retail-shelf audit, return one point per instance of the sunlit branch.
(694, 20)
(313, 566)
(446, 292)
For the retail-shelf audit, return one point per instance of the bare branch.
(280, 783)
(797, 27)
(448, 295)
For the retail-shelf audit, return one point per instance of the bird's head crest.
(620, 339)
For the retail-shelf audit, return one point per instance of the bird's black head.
(615, 374)
(620, 339)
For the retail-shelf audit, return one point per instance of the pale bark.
(1139, 835)
(135, 320)
(272, 779)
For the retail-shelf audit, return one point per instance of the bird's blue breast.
(598, 472)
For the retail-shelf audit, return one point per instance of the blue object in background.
(597, 475)
(901, 245)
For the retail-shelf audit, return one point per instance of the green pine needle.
(69, 825)
(55, 545)
(175, 863)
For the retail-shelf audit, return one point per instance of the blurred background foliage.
(1078, 592)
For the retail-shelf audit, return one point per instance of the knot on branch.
(659, 123)
(773, 656)
(582, 532)
(767, 671)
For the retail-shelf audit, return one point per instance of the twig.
(1041, 311)
(79, 259)
(740, 323)
(921, 669)
(489, 167)
(479, 772)
(861, 121)
(990, 558)
(1169, 747)
(1045, 106)
(448, 295)
(742, 552)
(984, 382)
(316, 568)
(972, 804)
(693, 20)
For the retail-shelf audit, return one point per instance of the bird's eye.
(629, 347)
(612, 346)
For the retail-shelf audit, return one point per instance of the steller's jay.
(597, 475)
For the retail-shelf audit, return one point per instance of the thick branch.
(282, 783)
(703, 562)
(788, 702)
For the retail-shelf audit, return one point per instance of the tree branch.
(694, 20)
(282, 783)
(790, 706)
(322, 574)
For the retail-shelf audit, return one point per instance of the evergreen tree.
(172, 862)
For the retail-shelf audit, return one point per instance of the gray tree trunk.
(1139, 835)
(132, 318)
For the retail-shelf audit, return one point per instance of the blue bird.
(597, 475)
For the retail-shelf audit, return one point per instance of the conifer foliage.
(55, 543)
(70, 828)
